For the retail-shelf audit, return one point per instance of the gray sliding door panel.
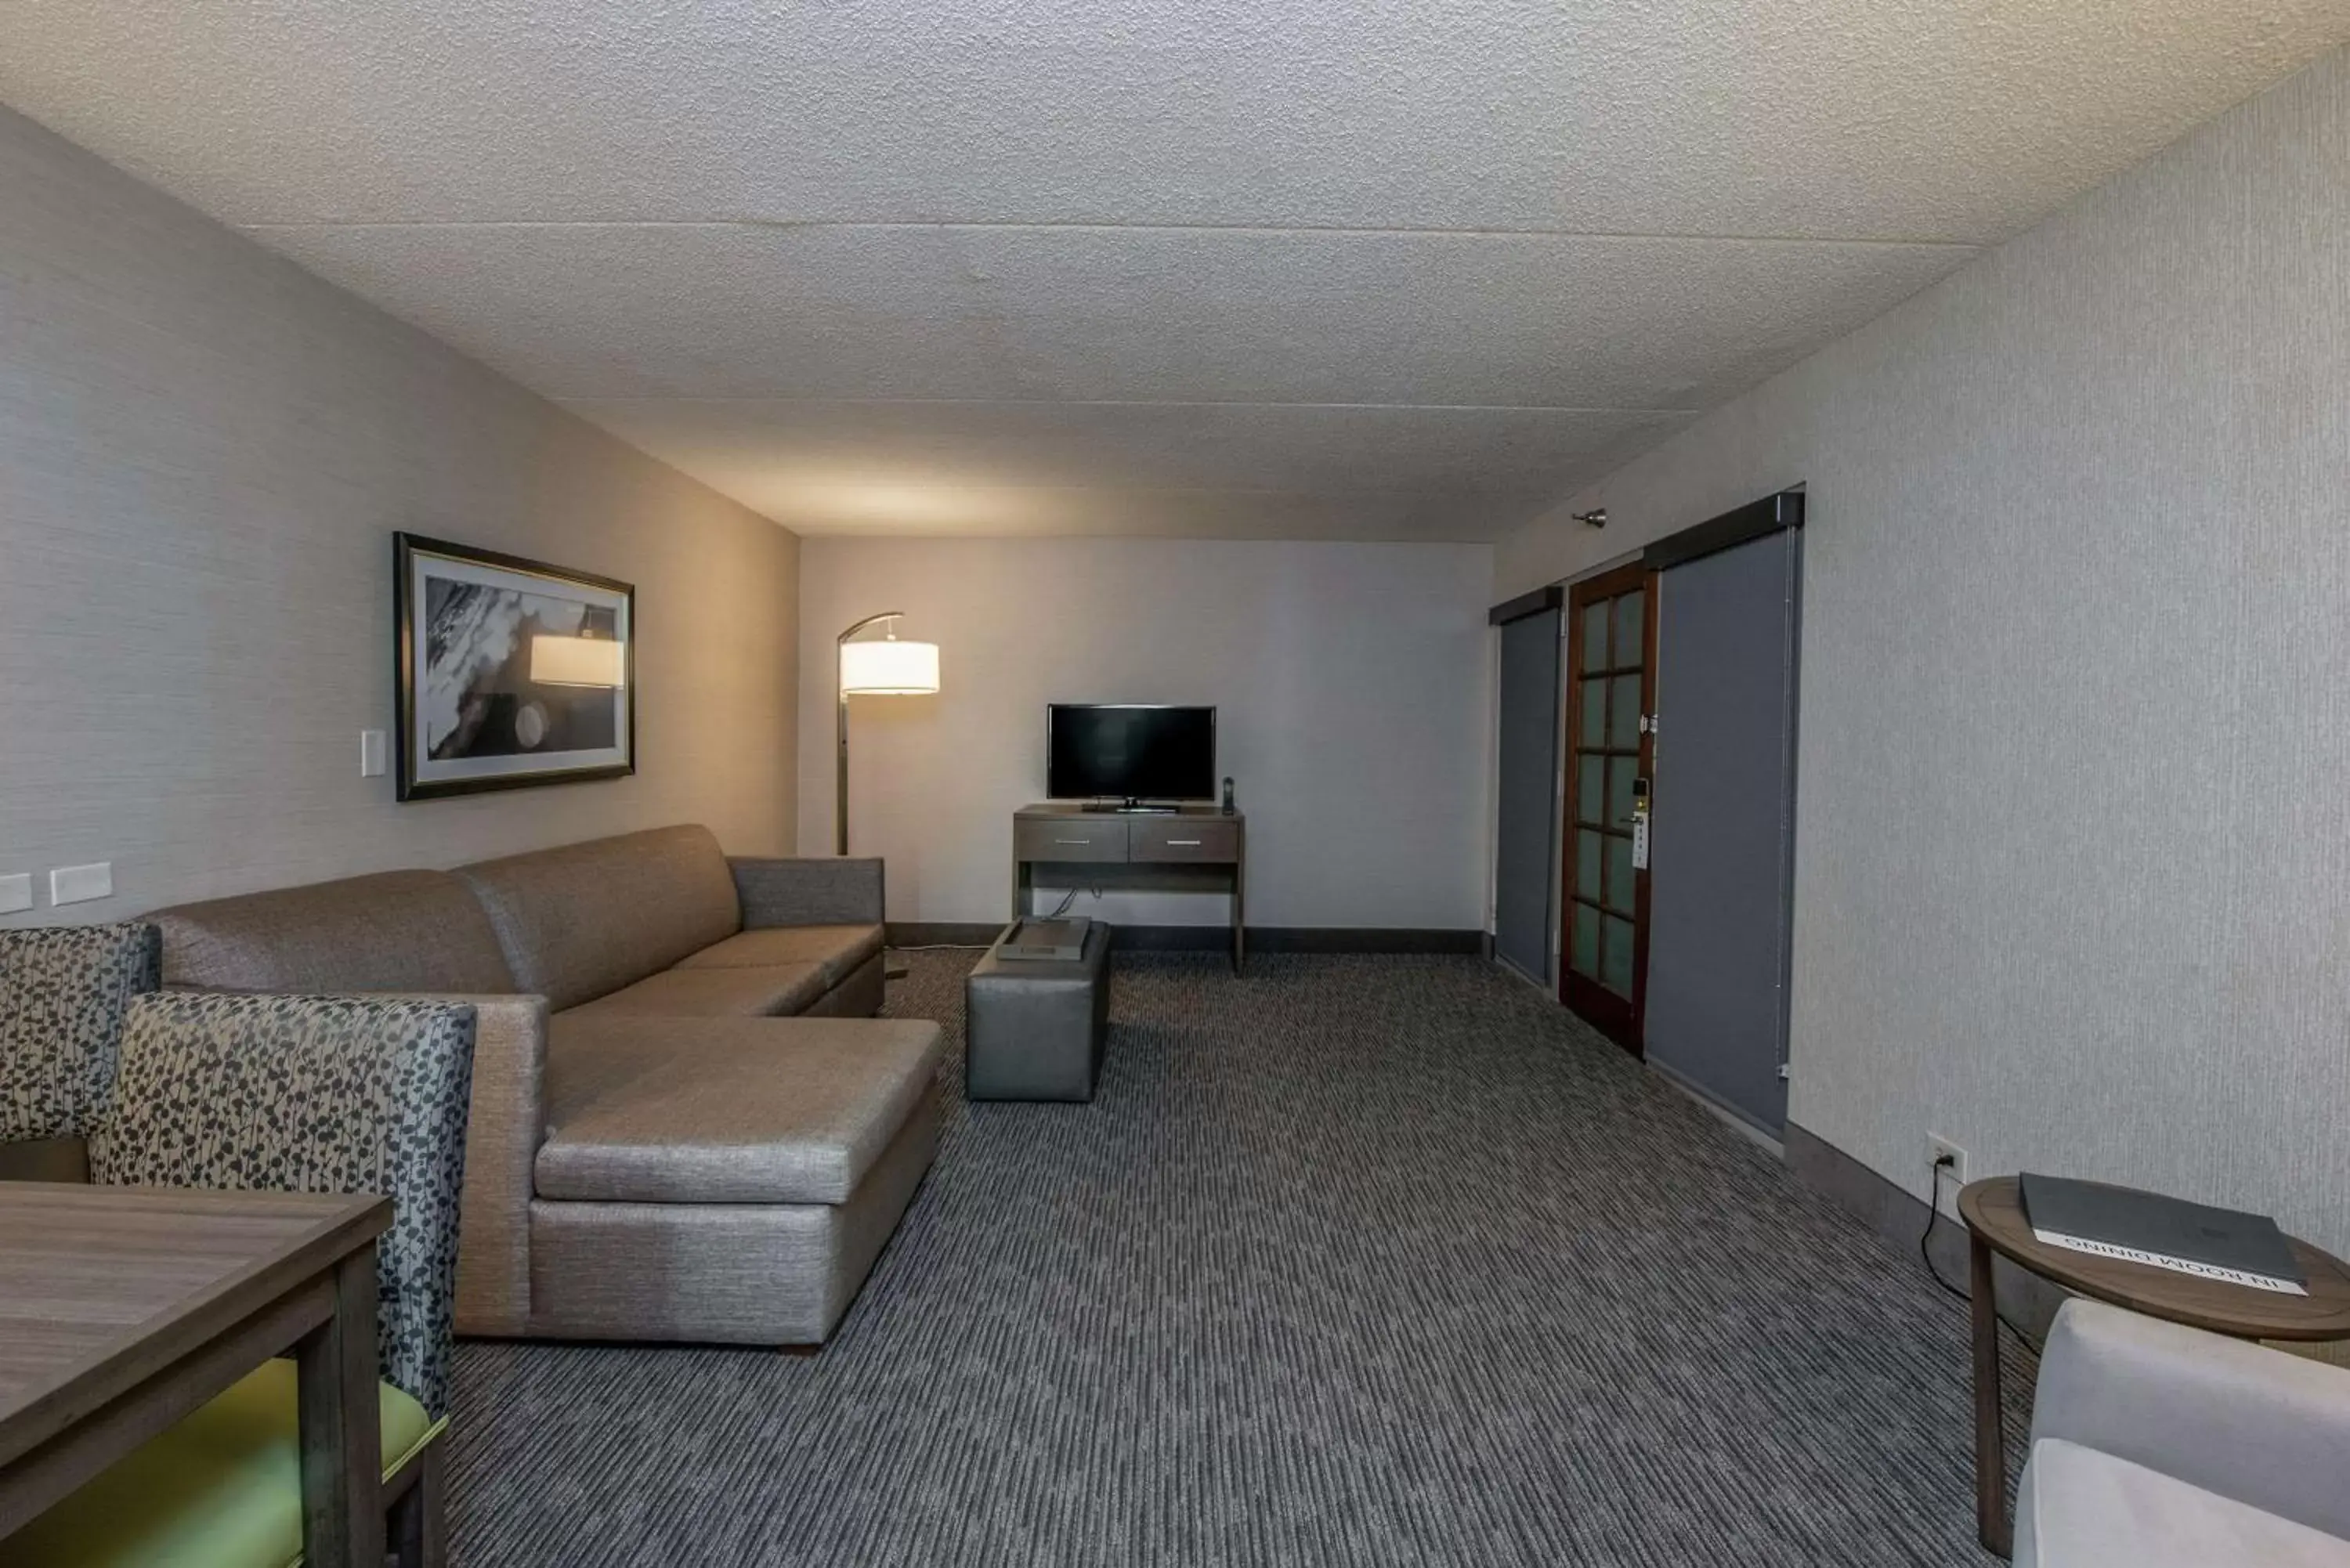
(1722, 839)
(1525, 874)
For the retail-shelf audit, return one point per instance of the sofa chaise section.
(620, 973)
(724, 1181)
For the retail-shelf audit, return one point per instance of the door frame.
(1615, 1016)
(1550, 600)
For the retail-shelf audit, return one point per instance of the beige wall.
(203, 454)
(2074, 837)
(1346, 677)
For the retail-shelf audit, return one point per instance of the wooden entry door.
(1611, 690)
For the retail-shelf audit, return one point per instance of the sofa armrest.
(508, 1122)
(2268, 1429)
(808, 891)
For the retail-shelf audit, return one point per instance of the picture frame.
(510, 672)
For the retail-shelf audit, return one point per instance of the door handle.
(1072, 841)
(1184, 843)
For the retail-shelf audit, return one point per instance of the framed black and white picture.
(511, 672)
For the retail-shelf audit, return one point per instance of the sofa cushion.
(578, 922)
(2080, 1508)
(837, 949)
(396, 931)
(767, 992)
(694, 1110)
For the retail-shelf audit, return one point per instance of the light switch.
(370, 754)
(15, 893)
(80, 884)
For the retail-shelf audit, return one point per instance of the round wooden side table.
(1994, 1213)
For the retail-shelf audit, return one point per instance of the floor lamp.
(886, 667)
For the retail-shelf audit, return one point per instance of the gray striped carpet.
(1353, 1260)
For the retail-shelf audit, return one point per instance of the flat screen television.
(1129, 752)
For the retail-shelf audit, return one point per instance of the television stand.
(1185, 849)
(1131, 808)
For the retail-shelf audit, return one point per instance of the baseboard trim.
(1214, 939)
(1364, 939)
(942, 933)
(1736, 1120)
(2028, 1302)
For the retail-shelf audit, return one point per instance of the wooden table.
(123, 1309)
(1995, 1223)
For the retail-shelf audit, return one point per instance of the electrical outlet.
(1937, 1148)
(1948, 1179)
(79, 884)
(15, 892)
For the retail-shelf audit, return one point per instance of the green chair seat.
(221, 1490)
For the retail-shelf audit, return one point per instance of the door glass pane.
(1615, 956)
(1589, 787)
(1619, 873)
(1629, 611)
(1594, 636)
(1595, 714)
(1583, 950)
(1624, 713)
(1621, 771)
(1587, 862)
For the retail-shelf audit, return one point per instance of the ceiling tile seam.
(790, 225)
(1406, 534)
(1445, 491)
(577, 400)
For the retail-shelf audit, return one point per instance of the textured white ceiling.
(1391, 269)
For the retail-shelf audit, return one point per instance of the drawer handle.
(1185, 843)
(1072, 841)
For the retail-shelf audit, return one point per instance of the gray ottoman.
(1034, 1030)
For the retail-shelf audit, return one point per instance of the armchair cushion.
(2082, 1509)
(808, 891)
(222, 1486)
(309, 1094)
(63, 990)
(835, 949)
(2267, 1429)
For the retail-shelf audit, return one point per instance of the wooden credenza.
(1196, 849)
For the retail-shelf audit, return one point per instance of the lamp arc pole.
(840, 693)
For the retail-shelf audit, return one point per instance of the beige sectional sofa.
(685, 1124)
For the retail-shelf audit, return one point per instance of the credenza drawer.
(1185, 839)
(1093, 838)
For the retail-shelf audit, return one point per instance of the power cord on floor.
(1943, 1162)
(1059, 909)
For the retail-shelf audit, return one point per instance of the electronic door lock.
(1639, 824)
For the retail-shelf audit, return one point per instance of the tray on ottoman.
(1034, 1028)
